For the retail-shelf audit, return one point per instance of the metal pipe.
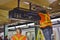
(30, 6)
(18, 3)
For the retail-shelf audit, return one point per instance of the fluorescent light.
(49, 8)
(26, 2)
(55, 19)
(11, 28)
(31, 24)
(17, 26)
(20, 26)
(44, 6)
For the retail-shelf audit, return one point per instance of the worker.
(45, 24)
(18, 35)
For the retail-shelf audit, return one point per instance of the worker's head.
(43, 11)
(18, 30)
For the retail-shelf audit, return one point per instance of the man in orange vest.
(45, 24)
(18, 35)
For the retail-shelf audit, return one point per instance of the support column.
(5, 30)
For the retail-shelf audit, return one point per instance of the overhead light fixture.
(44, 6)
(30, 24)
(49, 8)
(20, 26)
(26, 2)
(11, 28)
(55, 19)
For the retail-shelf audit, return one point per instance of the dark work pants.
(47, 33)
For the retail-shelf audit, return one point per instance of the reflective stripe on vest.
(47, 18)
(19, 38)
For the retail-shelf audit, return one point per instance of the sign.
(21, 14)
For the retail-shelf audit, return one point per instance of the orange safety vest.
(21, 37)
(45, 20)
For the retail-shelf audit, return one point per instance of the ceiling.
(10, 4)
(55, 6)
(6, 5)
